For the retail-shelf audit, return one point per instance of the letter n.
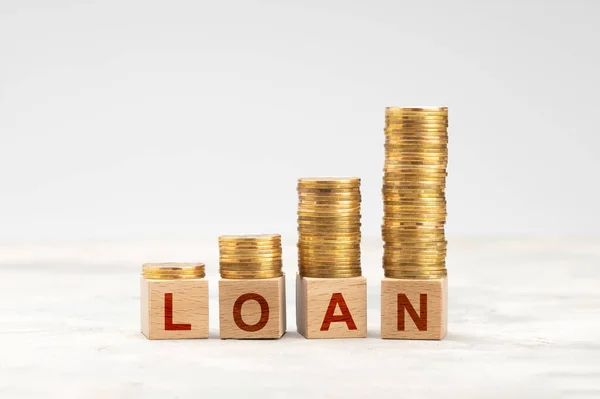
(419, 320)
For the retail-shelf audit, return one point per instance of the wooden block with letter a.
(252, 308)
(414, 309)
(174, 309)
(331, 307)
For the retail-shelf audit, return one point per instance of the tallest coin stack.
(414, 183)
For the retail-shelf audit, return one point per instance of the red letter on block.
(169, 326)
(264, 312)
(337, 299)
(420, 320)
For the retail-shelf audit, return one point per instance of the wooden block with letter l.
(252, 308)
(414, 308)
(331, 307)
(174, 301)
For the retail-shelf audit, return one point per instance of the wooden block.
(174, 309)
(414, 309)
(252, 308)
(331, 307)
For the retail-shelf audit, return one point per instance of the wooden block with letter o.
(331, 307)
(174, 306)
(252, 308)
(414, 308)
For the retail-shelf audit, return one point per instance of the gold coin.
(391, 154)
(415, 206)
(419, 166)
(398, 191)
(415, 260)
(314, 228)
(331, 275)
(427, 135)
(308, 256)
(252, 260)
(398, 240)
(402, 148)
(320, 248)
(329, 238)
(422, 202)
(419, 273)
(337, 217)
(398, 275)
(324, 238)
(330, 191)
(416, 234)
(173, 270)
(249, 254)
(329, 181)
(350, 254)
(437, 161)
(250, 238)
(409, 215)
(412, 258)
(430, 133)
(327, 202)
(425, 246)
(325, 271)
(401, 129)
(331, 212)
(239, 275)
(325, 264)
(408, 211)
(328, 221)
(404, 124)
(328, 225)
(405, 176)
(328, 269)
(414, 138)
(239, 269)
(250, 244)
(328, 235)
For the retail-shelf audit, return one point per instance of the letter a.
(337, 299)
(169, 326)
(420, 320)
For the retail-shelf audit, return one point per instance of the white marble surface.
(524, 322)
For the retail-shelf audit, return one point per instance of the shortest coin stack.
(250, 256)
(172, 271)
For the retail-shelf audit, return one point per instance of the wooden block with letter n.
(414, 308)
(173, 306)
(252, 308)
(331, 307)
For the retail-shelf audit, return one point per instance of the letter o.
(264, 312)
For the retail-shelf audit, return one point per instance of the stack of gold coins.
(414, 183)
(329, 227)
(172, 271)
(250, 256)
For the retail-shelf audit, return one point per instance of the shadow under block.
(414, 309)
(174, 309)
(252, 308)
(331, 307)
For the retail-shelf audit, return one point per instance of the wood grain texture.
(331, 307)
(414, 309)
(188, 308)
(252, 308)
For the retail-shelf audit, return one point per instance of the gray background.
(155, 118)
(135, 131)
